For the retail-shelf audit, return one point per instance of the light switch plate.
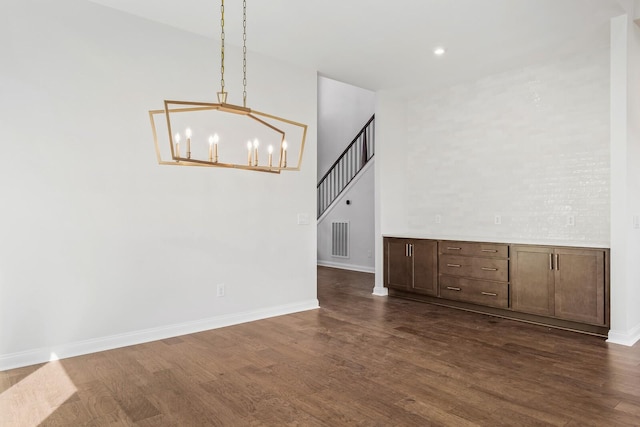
(303, 219)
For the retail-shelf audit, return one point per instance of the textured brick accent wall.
(530, 145)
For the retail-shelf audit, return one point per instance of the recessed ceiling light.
(439, 51)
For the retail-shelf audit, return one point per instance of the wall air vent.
(340, 239)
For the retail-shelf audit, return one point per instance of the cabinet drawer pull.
(451, 248)
(489, 250)
(489, 294)
(451, 288)
(454, 265)
(489, 269)
(550, 261)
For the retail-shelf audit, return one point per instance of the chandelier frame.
(172, 106)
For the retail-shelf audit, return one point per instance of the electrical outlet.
(497, 220)
(438, 219)
(571, 220)
(220, 290)
(636, 221)
(369, 253)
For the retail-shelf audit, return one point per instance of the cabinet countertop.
(507, 240)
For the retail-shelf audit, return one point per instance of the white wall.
(360, 214)
(633, 161)
(343, 110)
(530, 145)
(390, 175)
(625, 177)
(99, 245)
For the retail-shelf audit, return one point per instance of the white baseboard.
(380, 291)
(63, 351)
(628, 338)
(343, 266)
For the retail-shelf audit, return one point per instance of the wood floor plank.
(68, 414)
(181, 401)
(360, 360)
(433, 413)
(629, 407)
(101, 406)
(12, 377)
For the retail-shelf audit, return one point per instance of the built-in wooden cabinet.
(411, 265)
(398, 265)
(532, 290)
(568, 283)
(474, 272)
(560, 286)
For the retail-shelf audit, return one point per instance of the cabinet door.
(397, 263)
(579, 285)
(425, 266)
(532, 286)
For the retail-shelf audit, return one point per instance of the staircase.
(347, 167)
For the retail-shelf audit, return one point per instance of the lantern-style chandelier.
(226, 135)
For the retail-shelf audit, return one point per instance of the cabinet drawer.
(476, 268)
(475, 291)
(489, 250)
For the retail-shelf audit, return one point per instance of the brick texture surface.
(530, 145)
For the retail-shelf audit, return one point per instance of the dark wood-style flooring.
(359, 360)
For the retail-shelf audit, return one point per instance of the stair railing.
(347, 166)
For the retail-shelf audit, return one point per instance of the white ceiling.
(389, 44)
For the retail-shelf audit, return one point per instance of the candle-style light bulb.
(177, 138)
(211, 148)
(249, 147)
(284, 154)
(270, 149)
(188, 133)
(216, 138)
(256, 143)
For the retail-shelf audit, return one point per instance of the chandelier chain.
(222, 47)
(244, 52)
